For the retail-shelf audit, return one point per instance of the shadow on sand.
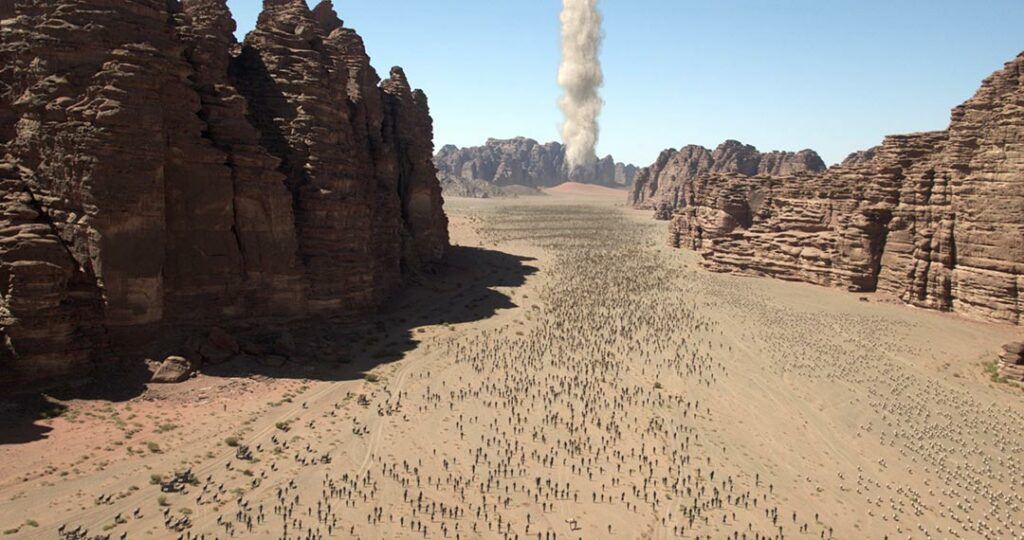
(460, 291)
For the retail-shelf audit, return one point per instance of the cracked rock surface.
(156, 173)
(936, 219)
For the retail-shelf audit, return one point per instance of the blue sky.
(832, 75)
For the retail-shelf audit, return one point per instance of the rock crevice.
(662, 187)
(936, 219)
(181, 178)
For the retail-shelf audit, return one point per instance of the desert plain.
(567, 376)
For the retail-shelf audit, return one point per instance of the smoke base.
(580, 77)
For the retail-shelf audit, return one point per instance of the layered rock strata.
(483, 171)
(663, 186)
(936, 219)
(157, 174)
(1011, 362)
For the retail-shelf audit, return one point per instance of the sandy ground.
(568, 377)
(587, 191)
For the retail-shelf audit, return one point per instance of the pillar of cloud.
(580, 78)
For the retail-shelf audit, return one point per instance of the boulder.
(174, 369)
(1011, 361)
(1014, 348)
(1011, 357)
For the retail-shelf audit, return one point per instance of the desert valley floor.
(566, 377)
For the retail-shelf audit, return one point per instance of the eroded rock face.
(483, 171)
(1011, 362)
(662, 186)
(936, 219)
(157, 174)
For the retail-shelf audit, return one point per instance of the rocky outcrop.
(483, 171)
(1010, 365)
(935, 219)
(159, 175)
(174, 369)
(662, 186)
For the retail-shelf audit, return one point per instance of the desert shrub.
(51, 410)
(163, 428)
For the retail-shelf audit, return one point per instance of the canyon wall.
(159, 175)
(663, 186)
(936, 219)
(483, 171)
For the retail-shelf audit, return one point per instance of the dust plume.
(580, 77)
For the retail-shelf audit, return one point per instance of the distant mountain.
(490, 170)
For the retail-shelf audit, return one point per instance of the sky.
(835, 76)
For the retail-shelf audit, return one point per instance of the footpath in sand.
(573, 379)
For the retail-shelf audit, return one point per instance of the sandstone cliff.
(157, 174)
(483, 171)
(936, 219)
(662, 186)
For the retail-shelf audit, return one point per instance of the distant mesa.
(158, 176)
(936, 219)
(518, 166)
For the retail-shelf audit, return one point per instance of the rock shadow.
(459, 290)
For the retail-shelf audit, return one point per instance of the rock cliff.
(937, 219)
(662, 186)
(483, 171)
(159, 175)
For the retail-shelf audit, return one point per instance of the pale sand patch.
(576, 188)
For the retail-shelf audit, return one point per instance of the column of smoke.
(580, 77)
